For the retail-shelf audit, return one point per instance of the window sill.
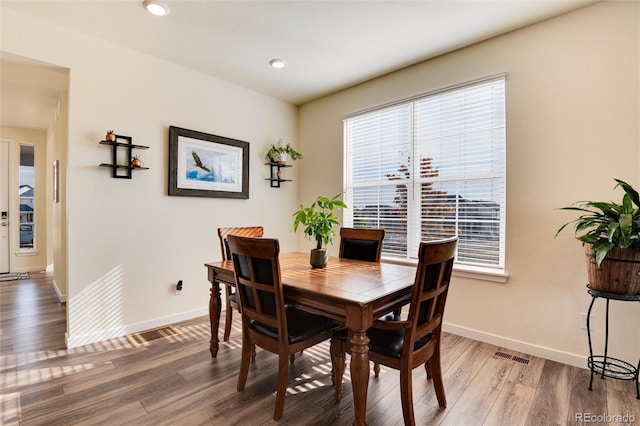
(32, 252)
(476, 273)
(463, 271)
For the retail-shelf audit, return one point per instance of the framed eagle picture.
(205, 165)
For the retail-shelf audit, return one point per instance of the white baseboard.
(29, 269)
(575, 360)
(100, 335)
(61, 297)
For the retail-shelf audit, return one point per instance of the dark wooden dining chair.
(361, 243)
(230, 295)
(267, 321)
(404, 344)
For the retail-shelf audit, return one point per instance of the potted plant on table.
(110, 136)
(611, 236)
(279, 152)
(318, 220)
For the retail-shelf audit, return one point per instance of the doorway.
(34, 105)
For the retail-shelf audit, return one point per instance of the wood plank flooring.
(173, 380)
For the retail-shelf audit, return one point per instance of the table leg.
(359, 368)
(215, 307)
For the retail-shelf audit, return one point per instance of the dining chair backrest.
(361, 244)
(430, 289)
(230, 297)
(248, 231)
(266, 321)
(404, 344)
(258, 281)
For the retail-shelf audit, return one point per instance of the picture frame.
(206, 165)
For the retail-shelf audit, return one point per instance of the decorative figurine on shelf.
(111, 136)
(278, 153)
(136, 161)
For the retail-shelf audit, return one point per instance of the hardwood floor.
(173, 380)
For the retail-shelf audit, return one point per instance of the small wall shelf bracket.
(121, 154)
(276, 177)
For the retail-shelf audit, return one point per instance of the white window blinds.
(431, 168)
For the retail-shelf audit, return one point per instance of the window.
(429, 168)
(26, 194)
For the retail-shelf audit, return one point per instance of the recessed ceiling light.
(156, 7)
(278, 63)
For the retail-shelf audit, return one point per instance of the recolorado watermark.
(605, 418)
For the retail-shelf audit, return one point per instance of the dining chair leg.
(406, 395)
(245, 359)
(427, 367)
(438, 383)
(283, 378)
(338, 365)
(376, 369)
(227, 321)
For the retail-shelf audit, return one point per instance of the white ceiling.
(329, 45)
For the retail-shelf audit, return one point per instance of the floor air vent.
(148, 336)
(503, 355)
(512, 357)
(520, 360)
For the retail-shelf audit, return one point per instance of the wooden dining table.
(353, 292)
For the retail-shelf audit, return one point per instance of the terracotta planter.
(319, 258)
(618, 273)
(110, 137)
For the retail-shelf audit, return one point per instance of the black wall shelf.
(127, 147)
(276, 178)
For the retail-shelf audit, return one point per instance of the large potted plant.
(611, 236)
(318, 221)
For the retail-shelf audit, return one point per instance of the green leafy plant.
(607, 225)
(319, 219)
(278, 149)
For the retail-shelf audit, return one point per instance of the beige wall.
(572, 100)
(28, 260)
(127, 241)
(572, 97)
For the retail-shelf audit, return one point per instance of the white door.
(4, 206)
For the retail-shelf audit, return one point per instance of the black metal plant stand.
(604, 365)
